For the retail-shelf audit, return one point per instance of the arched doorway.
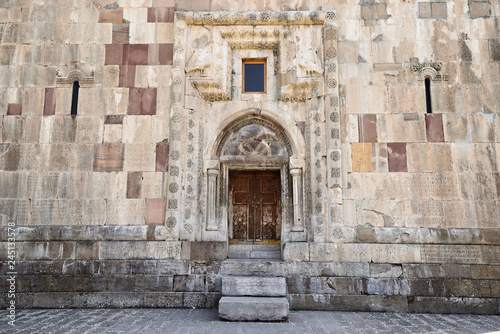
(255, 185)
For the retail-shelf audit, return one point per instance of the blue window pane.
(254, 78)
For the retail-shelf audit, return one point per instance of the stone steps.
(252, 298)
(254, 252)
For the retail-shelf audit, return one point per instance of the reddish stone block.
(160, 14)
(142, 101)
(113, 119)
(49, 107)
(155, 211)
(114, 15)
(397, 157)
(108, 157)
(114, 54)
(121, 33)
(367, 125)
(134, 184)
(14, 109)
(162, 156)
(126, 76)
(166, 54)
(434, 127)
(135, 54)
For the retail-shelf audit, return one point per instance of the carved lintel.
(431, 70)
(210, 90)
(300, 91)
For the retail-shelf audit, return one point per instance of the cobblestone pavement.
(184, 321)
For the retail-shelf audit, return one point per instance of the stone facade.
(384, 207)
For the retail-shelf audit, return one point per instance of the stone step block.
(265, 255)
(254, 286)
(253, 308)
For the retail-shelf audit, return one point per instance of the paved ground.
(182, 321)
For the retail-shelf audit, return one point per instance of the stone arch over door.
(254, 142)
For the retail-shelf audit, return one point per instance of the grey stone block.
(208, 251)
(254, 286)
(253, 308)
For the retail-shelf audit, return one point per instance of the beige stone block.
(348, 252)
(32, 126)
(296, 251)
(393, 128)
(137, 129)
(117, 101)
(380, 213)
(92, 53)
(443, 186)
(160, 129)
(153, 185)
(142, 33)
(425, 213)
(456, 216)
(164, 33)
(456, 127)
(482, 127)
(474, 158)
(477, 186)
(91, 101)
(361, 157)
(89, 130)
(63, 129)
(324, 252)
(140, 157)
(104, 33)
(13, 129)
(146, 76)
(110, 76)
(353, 128)
(113, 133)
(139, 15)
(429, 157)
(125, 212)
(63, 100)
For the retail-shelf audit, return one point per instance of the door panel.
(255, 205)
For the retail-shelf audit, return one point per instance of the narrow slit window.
(254, 75)
(428, 95)
(74, 101)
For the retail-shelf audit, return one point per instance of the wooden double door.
(255, 211)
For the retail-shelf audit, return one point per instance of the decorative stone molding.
(428, 70)
(210, 90)
(299, 92)
(212, 175)
(75, 75)
(257, 18)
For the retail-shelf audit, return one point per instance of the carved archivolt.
(76, 74)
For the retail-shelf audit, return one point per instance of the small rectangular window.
(254, 75)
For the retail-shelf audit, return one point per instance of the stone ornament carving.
(200, 60)
(308, 63)
(210, 90)
(299, 92)
(259, 18)
(431, 70)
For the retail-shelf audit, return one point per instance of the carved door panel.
(255, 206)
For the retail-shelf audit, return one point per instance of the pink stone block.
(397, 157)
(367, 128)
(160, 14)
(155, 211)
(49, 107)
(127, 76)
(434, 127)
(14, 109)
(142, 101)
(135, 54)
(166, 54)
(162, 156)
(114, 54)
(134, 184)
(111, 15)
(108, 157)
